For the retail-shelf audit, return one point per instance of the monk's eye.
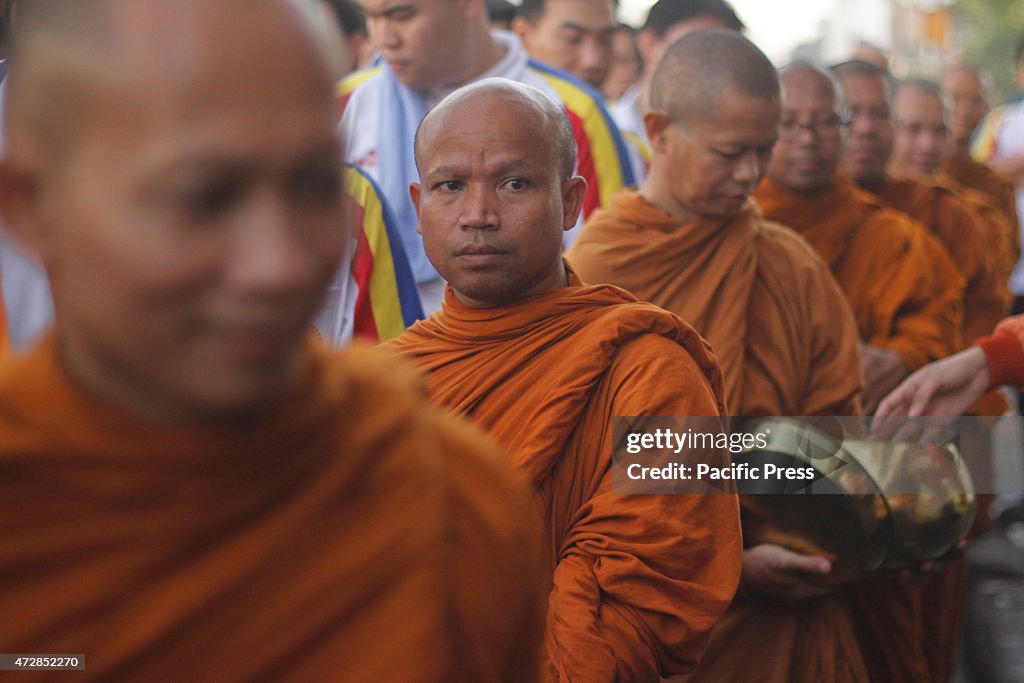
(729, 156)
(449, 185)
(213, 199)
(516, 184)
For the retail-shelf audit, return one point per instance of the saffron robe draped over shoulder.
(788, 343)
(905, 292)
(354, 533)
(767, 304)
(637, 580)
(961, 170)
(969, 238)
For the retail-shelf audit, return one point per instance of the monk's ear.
(574, 191)
(22, 208)
(414, 193)
(522, 29)
(657, 124)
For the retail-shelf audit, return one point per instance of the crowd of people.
(530, 220)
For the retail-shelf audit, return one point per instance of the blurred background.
(919, 36)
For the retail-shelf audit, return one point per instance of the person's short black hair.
(350, 17)
(501, 11)
(532, 10)
(665, 14)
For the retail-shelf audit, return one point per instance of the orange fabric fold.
(978, 237)
(907, 296)
(964, 172)
(770, 309)
(787, 340)
(353, 531)
(905, 292)
(974, 236)
(637, 580)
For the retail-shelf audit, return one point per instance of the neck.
(806, 192)
(658, 192)
(122, 386)
(482, 53)
(558, 278)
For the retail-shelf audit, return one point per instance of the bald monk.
(544, 362)
(871, 139)
(968, 89)
(903, 289)
(192, 489)
(905, 292)
(920, 147)
(690, 241)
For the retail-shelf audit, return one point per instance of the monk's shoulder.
(388, 395)
(655, 375)
(783, 250)
(391, 421)
(890, 231)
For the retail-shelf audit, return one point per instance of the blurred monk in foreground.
(193, 488)
(690, 240)
(544, 363)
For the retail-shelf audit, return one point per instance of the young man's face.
(421, 40)
(574, 36)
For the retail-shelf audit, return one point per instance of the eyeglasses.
(820, 128)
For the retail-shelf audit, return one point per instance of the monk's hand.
(883, 370)
(780, 573)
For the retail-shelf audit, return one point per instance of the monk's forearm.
(586, 639)
(644, 578)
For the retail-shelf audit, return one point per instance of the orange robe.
(968, 237)
(637, 580)
(905, 292)
(962, 171)
(352, 534)
(788, 343)
(906, 295)
(983, 255)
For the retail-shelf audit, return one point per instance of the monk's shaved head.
(496, 193)
(71, 53)
(702, 67)
(980, 76)
(922, 86)
(806, 68)
(540, 113)
(176, 166)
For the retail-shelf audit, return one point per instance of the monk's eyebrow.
(391, 11)
(512, 166)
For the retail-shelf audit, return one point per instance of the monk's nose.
(269, 254)
(748, 168)
(479, 210)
